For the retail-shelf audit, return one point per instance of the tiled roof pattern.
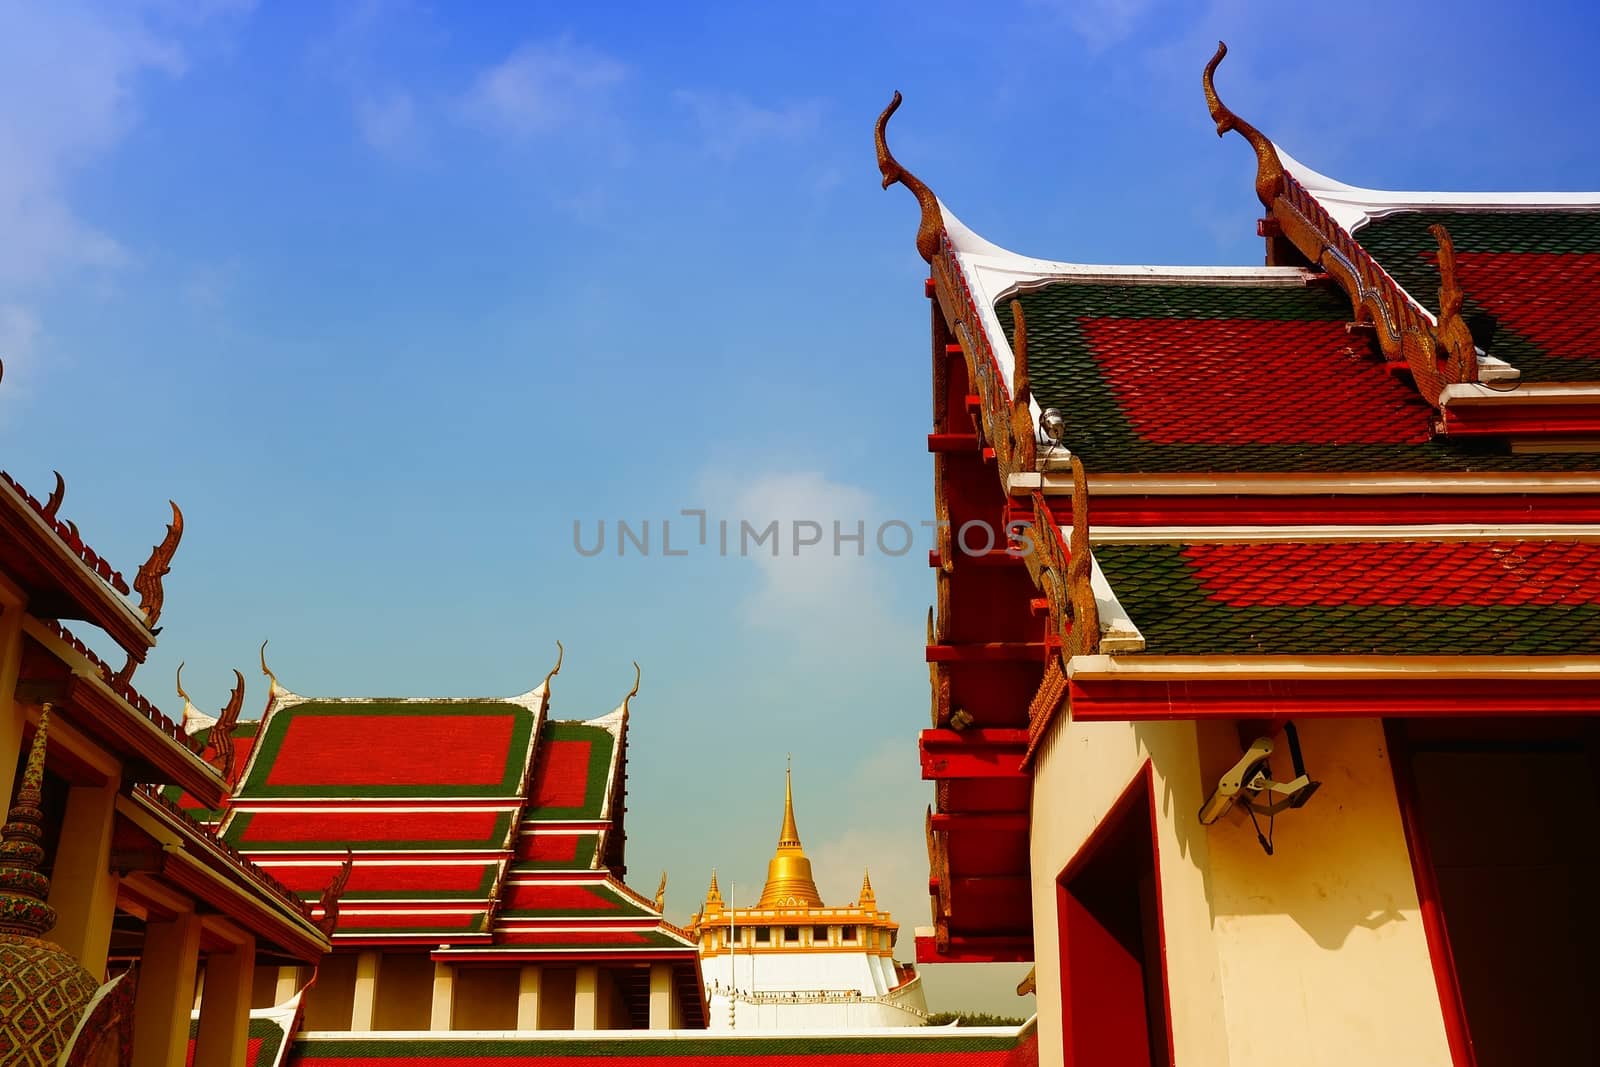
(392, 749)
(297, 831)
(263, 1042)
(426, 879)
(1227, 378)
(548, 851)
(932, 1049)
(1348, 598)
(599, 938)
(379, 923)
(1532, 281)
(567, 900)
(571, 770)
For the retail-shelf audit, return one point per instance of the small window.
(763, 935)
(791, 934)
(850, 933)
(819, 935)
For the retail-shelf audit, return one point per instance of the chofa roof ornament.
(1269, 168)
(932, 221)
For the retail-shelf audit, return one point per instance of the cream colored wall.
(557, 987)
(1317, 949)
(1080, 772)
(486, 998)
(405, 992)
(329, 1000)
(1321, 944)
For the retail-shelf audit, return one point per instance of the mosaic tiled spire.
(24, 891)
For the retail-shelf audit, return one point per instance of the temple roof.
(1384, 597)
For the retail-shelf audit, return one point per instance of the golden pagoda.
(791, 961)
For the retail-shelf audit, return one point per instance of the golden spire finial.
(867, 895)
(24, 891)
(1269, 168)
(789, 882)
(789, 836)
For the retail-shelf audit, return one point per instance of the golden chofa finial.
(932, 222)
(561, 654)
(632, 692)
(1269, 168)
(147, 582)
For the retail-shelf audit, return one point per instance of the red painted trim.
(1098, 839)
(975, 950)
(989, 822)
(1333, 509)
(1510, 418)
(1456, 1029)
(952, 442)
(1152, 699)
(987, 752)
(686, 954)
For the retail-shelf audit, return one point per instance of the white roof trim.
(1117, 631)
(1353, 207)
(993, 273)
(1059, 484)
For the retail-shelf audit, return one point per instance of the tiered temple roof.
(1361, 479)
(478, 827)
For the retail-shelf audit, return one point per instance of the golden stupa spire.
(789, 881)
(868, 897)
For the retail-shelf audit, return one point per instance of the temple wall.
(1322, 943)
(796, 970)
(905, 1007)
(405, 991)
(1318, 948)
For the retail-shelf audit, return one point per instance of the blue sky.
(387, 296)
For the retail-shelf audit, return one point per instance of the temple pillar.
(529, 984)
(225, 1007)
(586, 998)
(661, 996)
(444, 996)
(12, 603)
(82, 888)
(166, 989)
(362, 1004)
(288, 984)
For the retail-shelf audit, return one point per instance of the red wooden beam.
(985, 752)
(1007, 822)
(952, 442)
(1522, 420)
(989, 652)
(976, 950)
(1416, 696)
(1332, 509)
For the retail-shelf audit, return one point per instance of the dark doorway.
(1509, 820)
(1113, 984)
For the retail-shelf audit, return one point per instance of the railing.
(817, 996)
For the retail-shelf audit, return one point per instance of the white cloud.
(388, 122)
(1101, 23)
(19, 333)
(69, 76)
(830, 591)
(543, 87)
(730, 123)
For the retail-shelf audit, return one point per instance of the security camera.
(1249, 784)
(1250, 768)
